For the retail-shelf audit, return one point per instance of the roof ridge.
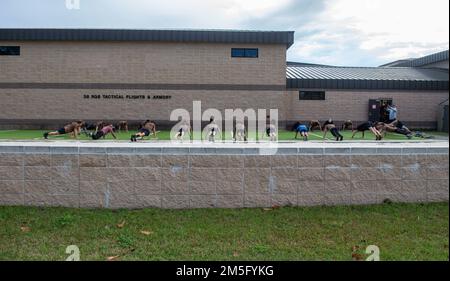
(143, 29)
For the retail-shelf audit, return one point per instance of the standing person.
(302, 130)
(392, 110)
(73, 129)
(368, 126)
(146, 127)
(103, 132)
(329, 126)
(184, 128)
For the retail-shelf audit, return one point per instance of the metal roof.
(293, 63)
(433, 58)
(418, 62)
(398, 63)
(211, 36)
(400, 78)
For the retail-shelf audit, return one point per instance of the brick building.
(51, 76)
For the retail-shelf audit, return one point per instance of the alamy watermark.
(73, 4)
(74, 253)
(250, 125)
(374, 253)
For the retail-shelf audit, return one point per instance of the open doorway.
(377, 109)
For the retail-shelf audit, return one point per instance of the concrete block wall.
(189, 176)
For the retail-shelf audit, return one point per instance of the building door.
(377, 109)
(374, 110)
(445, 119)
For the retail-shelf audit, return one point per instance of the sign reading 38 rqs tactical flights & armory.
(126, 97)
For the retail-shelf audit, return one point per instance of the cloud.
(366, 32)
(340, 32)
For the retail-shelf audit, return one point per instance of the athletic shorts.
(399, 125)
(62, 131)
(97, 135)
(335, 132)
(302, 129)
(391, 120)
(402, 131)
(146, 132)
(364, 127)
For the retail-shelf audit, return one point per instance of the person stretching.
(73, 129)
(368, 126)
(239, 133)
(212, 129)
(271, 131)
(302, 130)
(103, 132)
(184, 128)
(146, 127)
(329, 126)
(397, 127)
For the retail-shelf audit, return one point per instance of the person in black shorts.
(146, 128)
(368, 126)
(271, 131)
(108, 129)
(212, 129)
(184, 128)
(399, 128)
(239, 132)
(91, 128)
(73, 129)
(329, 126)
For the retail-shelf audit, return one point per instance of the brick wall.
(45, 104)
(415, 108)
(184, 176)
(53, 107)
(128, 63)
(142, 62)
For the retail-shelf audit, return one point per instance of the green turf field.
(165, 135)
(401, 231)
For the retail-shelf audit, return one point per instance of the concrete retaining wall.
(121, 175)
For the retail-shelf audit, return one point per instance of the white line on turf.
(312, 134)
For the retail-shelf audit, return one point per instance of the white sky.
(341, 32)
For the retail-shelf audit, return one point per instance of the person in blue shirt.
(302, 130)
(392, 110)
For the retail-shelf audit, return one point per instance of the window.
(311, 95)
(9, 51)
(244, 53)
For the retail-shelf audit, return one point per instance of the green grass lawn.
(165, 135)
(401, 231)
